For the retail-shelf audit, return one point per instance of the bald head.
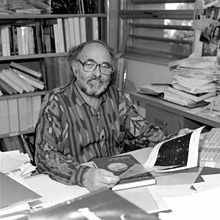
(87, 47)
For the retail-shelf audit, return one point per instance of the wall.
(142, 72)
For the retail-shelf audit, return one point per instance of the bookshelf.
(19, 112)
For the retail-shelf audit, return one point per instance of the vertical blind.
(158, 28)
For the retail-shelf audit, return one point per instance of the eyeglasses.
(91, 65)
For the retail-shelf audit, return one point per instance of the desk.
(172, 117)
(51, 190)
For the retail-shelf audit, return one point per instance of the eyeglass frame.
(95, 67)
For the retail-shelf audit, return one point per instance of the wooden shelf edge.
(10, 134)
(47, 16)
(32, 56)
(28, 94)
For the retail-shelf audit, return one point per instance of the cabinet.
(40, 42)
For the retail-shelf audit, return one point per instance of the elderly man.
(88, 118)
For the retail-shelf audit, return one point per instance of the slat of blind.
(161, 1)
(161, 26)
(157, 14)
(168, 40)
(141, 51)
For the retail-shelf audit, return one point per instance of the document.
(180, 152)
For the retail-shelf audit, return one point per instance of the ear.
(75, 67)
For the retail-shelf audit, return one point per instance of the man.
(88, 119)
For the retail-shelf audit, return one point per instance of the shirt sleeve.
(51, 137)
(136, 131)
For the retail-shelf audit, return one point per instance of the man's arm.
(51, 139)
(136, 130)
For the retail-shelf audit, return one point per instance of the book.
(95, 28)
(72, 32)
(82, 21)
(76, 30)
(5, 78)
(6, 88)
(132, 173)
(67, 33)
(25, 112)
(26, 69)
(152, 89)
(5, 40)
(4, 118)
(12, 73)
(30, 80)
(101, 204)
(189, 96)
(59, 36)
(177, 153)
(13, 115)
(36, 106)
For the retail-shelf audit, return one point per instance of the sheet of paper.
(16, 159)
(202, 205)
(147, 200)
(53, 192)
(192, 155)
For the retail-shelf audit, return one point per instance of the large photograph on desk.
(180, 152)
(174, 152)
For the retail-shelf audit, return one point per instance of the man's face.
(91, 78)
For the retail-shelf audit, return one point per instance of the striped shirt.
(70, 132)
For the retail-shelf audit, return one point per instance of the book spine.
(76, 30)
(30, 80)
(72, 32)
(4, 77)
(25, 113)
(4, 117)
(67, 33)
(82, 29)
(25, 69)
(36, 105)
(95, 28)
(60, 33)
(5, 41)
(13, 115)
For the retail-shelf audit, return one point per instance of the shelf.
(28, 131)
(28, 94)
(47, 16)
(32, 56)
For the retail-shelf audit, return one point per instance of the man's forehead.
(95, 51)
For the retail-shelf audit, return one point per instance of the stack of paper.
(19, 163)
(192, 85)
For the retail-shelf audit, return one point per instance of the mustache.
(99, 78)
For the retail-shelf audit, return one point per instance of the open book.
(131, 172)
(178, 153)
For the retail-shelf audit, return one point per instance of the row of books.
(19, 114)
(19, 79)
(48, 36)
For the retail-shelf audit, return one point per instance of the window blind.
(157, 28)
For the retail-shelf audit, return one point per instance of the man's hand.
(184, 131)
(96, 178)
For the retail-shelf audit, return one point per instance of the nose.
(97, 71)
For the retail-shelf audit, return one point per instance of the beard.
(95, 86)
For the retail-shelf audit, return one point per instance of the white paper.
(53, 192)
(192, 160)
(202, 205)
(16, 159)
